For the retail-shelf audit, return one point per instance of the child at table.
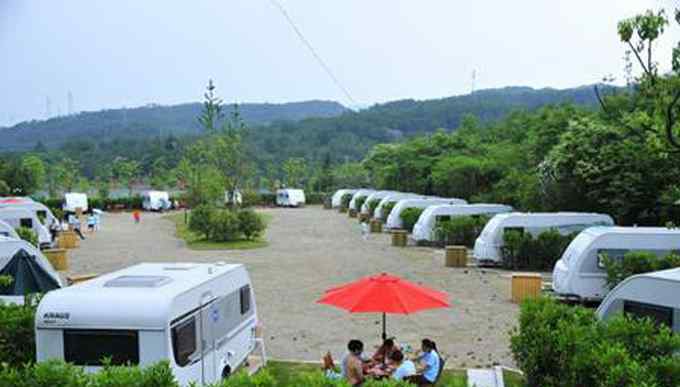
(404, 368)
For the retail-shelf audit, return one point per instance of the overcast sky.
(118, 53)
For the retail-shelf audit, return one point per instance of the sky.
(111, 54)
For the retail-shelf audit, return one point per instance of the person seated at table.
(403, 368)
(385, 351)
(351, 365)
(429, 362)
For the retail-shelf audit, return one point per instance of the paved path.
(311, 250)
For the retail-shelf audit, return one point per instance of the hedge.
(636, 263)
(558, 345)
(460, 230)
(522, 250)
(56, 373)
(17, 335)
(409, 217)
(387, 209)
(360, 200)
(345, 199)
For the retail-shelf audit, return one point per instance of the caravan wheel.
(226, 372)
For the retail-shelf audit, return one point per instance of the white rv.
(377, 195)
(490, 242)
(653, 295)
(394, 220)
(580, 272)
(200, 317)
(233, 197)
(8, 231)
(156, 201)
(393, 198)
(30, 270)
(290, 197)
(42, 211)
(336, 200)
(360, 193)
(424, 229)
(21, 217)
(73, 200)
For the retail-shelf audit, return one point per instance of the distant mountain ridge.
(151, 120)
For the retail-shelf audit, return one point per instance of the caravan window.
(26, 222)
(442, 218)
(615, 254)
(660, 315)
(245, 299)
(91, 347)
(184, 343)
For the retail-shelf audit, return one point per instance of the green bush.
(460, 230)
(201, 220)
(28, 235)
(225, 226)
(250, 198)
(634, 263)
(561, 345)
(17, 335)
(522, 251)
(251, 223)
(372, 205)
(386, 209)
(359, 202)
(345, 199)
(409, 217)
(315, 197)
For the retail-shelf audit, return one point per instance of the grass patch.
(284, 373)
(197, 242)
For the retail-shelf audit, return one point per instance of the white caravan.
(156, 201)
(31, 271)
(8, 231)
(393, 198)
(233, 197)
(21, 217)
(377, 195)
(73, 200)
(580, 272)
(394, 220)
(42, 211)
(336, 200)
(653, 295)
(424, 229)
(200, 317)
(489, 244)
(290, 197)
(358, 194)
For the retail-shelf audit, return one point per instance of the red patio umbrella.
(384, 293)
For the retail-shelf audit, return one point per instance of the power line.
(309, 46)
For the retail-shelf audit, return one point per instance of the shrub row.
(522, 250)
(345, 199)
(386, 210)
(636, 263)
(221, 225)
(360, 200)
(409, 217)
(17, 336)
(372, 205)
(54, 373)
(557, 345)
(460, 230)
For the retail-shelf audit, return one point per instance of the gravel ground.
(310, 250)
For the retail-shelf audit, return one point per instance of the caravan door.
(191, 347)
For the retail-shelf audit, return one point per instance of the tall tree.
(211, 117)
(126, 172)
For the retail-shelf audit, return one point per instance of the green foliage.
(345, 199)
(28, 235)
(359, 201)
(387, 209)
(201, 220)
(17, 335)
(372, 205)
(409, 217)
(224, 226)
(460, 230)
(126, 172)
(523, 250)
(561, 345)
(295, 170)
(261, 379)
(636, 262)
(251, 223)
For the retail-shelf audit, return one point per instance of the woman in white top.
(404, 368)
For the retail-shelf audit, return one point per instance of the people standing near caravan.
(91, 222)
(74, 223)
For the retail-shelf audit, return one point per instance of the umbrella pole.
(384, 324)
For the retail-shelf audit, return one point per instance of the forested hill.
(148, 121)
(352, 134)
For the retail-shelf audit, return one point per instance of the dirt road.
(310, 250)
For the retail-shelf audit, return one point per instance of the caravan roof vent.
(180, 267)
(137, 281)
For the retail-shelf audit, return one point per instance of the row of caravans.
(24, 212)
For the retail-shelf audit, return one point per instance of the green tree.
(66, 174)
(211, 117)
(126, 172)
(294, 170)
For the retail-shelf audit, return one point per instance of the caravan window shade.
(91, 347)
(660, 315)
(245, 299)
(184, 343)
